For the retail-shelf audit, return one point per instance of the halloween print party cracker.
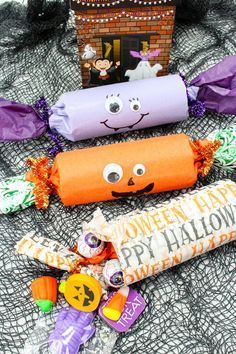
(122, 107)
(148, 242)
(48, 251)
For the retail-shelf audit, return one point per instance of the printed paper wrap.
(47, 251)
(150, 241)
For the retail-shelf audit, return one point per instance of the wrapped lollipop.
(89, 245)
(114, 171)
(123, 107)
(113, 274)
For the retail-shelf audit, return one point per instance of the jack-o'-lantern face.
(83, 292)
(113, 173)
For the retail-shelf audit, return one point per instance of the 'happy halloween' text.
(153, 240)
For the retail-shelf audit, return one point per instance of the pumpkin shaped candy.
(82, 291)
(44, 291)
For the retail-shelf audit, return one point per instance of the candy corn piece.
(114, 308)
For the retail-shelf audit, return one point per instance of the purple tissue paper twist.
(196, 108)
(72, 329)
(19, 121)
(44, 111)
(121, 107)
(217, 86)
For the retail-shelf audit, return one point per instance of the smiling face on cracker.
(115, 105)
(132, 183)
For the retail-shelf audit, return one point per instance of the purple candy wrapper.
(19, 121)
(217, 86)
(73, 328)
(134, 306)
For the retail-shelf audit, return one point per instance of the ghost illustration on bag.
(89, 53)
(144, 70)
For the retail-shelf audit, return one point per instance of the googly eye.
(117, 279)
(113, 104)
(135, 105)
(112, 173)
(139, 169)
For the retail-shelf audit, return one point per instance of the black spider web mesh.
(191, 308)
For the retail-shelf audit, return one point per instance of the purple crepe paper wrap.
(19, 121)
(216, 87)
(140, 104)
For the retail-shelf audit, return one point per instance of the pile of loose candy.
(96, 285)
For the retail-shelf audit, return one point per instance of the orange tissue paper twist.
(204, 154)
(40, 172)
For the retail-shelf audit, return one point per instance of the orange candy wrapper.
(123, 170)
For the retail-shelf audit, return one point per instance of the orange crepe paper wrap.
(39, 175)
(203, 154)
(135, 168)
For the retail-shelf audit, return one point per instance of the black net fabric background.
(190, 308)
